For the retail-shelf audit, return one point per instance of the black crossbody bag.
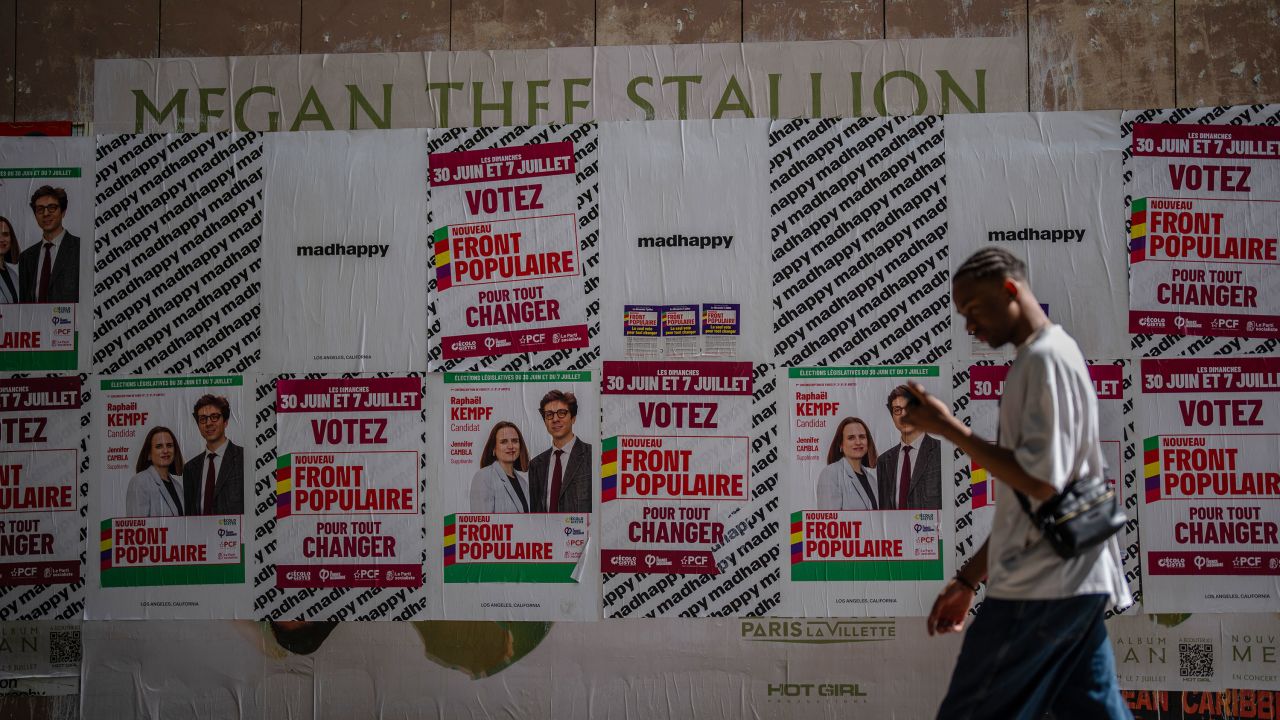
(1082, 516)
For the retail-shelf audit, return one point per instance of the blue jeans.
(1021, 658)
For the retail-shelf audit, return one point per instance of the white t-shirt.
(1049, 418)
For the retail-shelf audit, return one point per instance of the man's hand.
(950, 609)
(928, 414)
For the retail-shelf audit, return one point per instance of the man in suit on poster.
(213, 481)
(560, 477)
(49, 271)
(909, 473)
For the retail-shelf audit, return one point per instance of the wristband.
(960, 579)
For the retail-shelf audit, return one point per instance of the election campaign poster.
(177, 254)
(1203, 245)
(305, 561)
(859, 235)
(866, 522)
(167, 511)
(46, 206)
(41, 498)
(348, 490)
(517, 477)
(347, 246)
(1210, 516)
(1152, 341)
(509, 223)
(1044, 187)
(675, 465)
(684, 212)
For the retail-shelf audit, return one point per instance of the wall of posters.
(684, 212)
(348, 248)
(517, 475)
(1203, 243)
(858, 213)
(348, 499)
(867, 521)
(167, 509)
(177, 254)
(46, 253)
(1044, 186)
(1210, 516)
(513, 216)
(41, 501)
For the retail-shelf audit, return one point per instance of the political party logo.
(1138, 231)
(1151, 468)
(821, 632)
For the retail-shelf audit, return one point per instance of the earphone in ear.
(1012, 287)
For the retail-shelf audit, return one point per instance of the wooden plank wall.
(1084, 54)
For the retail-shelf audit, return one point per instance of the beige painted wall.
(1084, 54)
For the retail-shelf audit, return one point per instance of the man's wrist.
(964, 582)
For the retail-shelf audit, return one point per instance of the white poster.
(684, 209)
(46, 253)
(167, 508)
(517, 464)
(347, 246)
(1210, 511)
(41, 520)
(866, 513)
(348, 491)
(509, 264)
(1045, 187)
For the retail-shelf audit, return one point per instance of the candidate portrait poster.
(1203, 238)
(46, 252)
(1045, 187)
(167, 509)
(1210, 512)
(676, 463)
(508, 263)
(348, 489)
(517, 475)
(40, 498)
(346, 247)
(684, 209)
(868, 519)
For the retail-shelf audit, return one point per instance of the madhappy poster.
(684, 212)
(1203, 247)
(1210, 516)
(519, 537)
(1044, 186)
(347, 246)
(861, 541)
(675, 463)
(46, 198)
(177, 254)
(508, 265)
(167, 512)
(859, 230)
(347, 501)
(40, 500)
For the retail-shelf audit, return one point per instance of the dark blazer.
(575, 483)
(228, 491)
(64, 280)
(925, 490)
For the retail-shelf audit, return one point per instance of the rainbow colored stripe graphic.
(450, 539)
(440, 244)
(104, 545)
(1151, 467)
(284, 486)
(609, 469)
(797, 537)
(979, 486)
(1138, 231)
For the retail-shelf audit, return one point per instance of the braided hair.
(991, 263)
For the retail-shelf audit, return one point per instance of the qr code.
(1195, 660)
(64, 647)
